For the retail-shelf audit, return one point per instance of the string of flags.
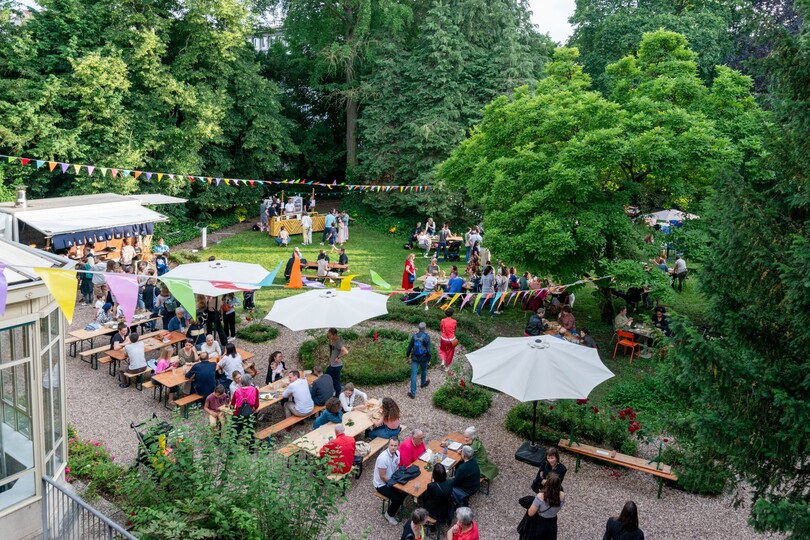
(120, 172)
(62, 284)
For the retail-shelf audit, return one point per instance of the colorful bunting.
(181, 290)
(125, 289)
(295, 275)
(379, 281)
(346, 282)
(62, 286)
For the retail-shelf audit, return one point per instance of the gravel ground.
(101, 410)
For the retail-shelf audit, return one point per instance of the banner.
(181, 290)
(379, 281)
(125, 289)
(62, 286)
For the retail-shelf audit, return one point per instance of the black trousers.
(397, 498)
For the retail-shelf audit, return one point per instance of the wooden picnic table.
(417, 486)
(454, 238)
(276, 388)
(149, 345)
(331, 266)
(108, 328)
(313, 441)
(174, 378)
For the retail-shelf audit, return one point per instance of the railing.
(67, 516)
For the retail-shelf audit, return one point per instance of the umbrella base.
(531, 454)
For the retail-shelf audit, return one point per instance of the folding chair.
(626, 339)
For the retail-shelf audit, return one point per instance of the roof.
(87, 200)
(157, 198)
(19, 255)
(53, 221)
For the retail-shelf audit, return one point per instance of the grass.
(372, 250)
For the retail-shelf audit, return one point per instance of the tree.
(749, 377)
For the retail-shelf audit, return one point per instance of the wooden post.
(282, 196)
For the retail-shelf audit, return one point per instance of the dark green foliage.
(257, 333)
(698, 472)
(91, 462)
(470, 401)
(554, 422)
(370, 361)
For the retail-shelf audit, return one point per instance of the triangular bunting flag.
(51, 165)
(125, 174)
(24, 161)
(40, 163)
(62, 286)
(181, 290)
(494, 301)
(379, 281)
(218, 180)
(295, 275)
(171, 177)
(113, 172)
(137, 174)
(466, 299)
(90, 169)
(103, 171)
(268, 280)
(77, 168)
(346, 282)
(227, 182)
(64, 167)
(236, 182)
(160, 176)
(148, 176)
(125, 289)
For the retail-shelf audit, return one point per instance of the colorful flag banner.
(125, 289)
(379, 281)
(62, 286)
(181, 290)
(466, 299)
(346, 282)
(268, 281)
(295, 274)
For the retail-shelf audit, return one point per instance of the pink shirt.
(408, 453)
(448, 328)
(162, 365)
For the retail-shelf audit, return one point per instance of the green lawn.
(369, 249)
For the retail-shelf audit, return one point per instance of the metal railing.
(66, 516)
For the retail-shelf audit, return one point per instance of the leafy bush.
(206, 486)
(650, 396)
(469, 400)
(91, 462)
(257, 333)
(700, 474)
(377, 357)
(184, 257)
(613, 429)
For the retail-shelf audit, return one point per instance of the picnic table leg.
(660, 486)
(577, 467)
(94, 361)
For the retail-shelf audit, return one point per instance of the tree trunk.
(351, 133)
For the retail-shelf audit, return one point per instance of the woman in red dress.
(448, 338)
(409, 274)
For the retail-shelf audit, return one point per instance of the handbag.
(454, 342)
(411, 278)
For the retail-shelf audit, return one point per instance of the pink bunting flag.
(90, 169)
(125, 289)
(64, 167)
(3, 290)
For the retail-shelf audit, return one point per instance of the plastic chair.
(626, 339)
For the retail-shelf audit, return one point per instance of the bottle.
(444, 450)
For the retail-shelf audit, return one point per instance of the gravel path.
(100, 410)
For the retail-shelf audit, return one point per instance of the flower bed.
(459, 396)
(257, 333)
(92, 463)
(375, 357)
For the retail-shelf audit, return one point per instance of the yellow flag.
(346, 282)
(62, 286)
(77, 168)
(160, 176)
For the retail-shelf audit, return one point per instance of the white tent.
(667, 216)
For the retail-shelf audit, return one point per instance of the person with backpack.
(245, 404)
(86, 282)
(419, 354)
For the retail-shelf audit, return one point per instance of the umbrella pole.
(534, 420)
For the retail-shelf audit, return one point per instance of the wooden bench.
(71, 344)
(138, 377)
(375, 445)
(433, 523)
(185, 401)
(284, 424)
(661, 471)
(91, 355)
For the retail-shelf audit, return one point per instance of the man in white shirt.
(385, 466)
(679, 273)
(306, 226)
(228, 364)
(301, 403)
(289, 208)
(136, 356)
(211, 347)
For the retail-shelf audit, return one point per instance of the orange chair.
(626, 339)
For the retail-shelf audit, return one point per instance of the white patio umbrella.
(669, 215)
(328, 308)
(538, 367)
(215, 278)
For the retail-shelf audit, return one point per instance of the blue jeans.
(469, 249)
(441, 247)
(383, 432)
(416, 363)
(334, 372)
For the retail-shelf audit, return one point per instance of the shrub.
(459, 396)
(613, 429)
(376, 357)
(184, 257)
(257, 333)
(203, 485)
(700, 474)
(91, 462)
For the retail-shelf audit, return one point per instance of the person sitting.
(289, 265)
(465, 528)
(349, 396)
(551, 464)
(212, 347)
(213, 407)
(455, 284)
(537, 323)
(343, 259)
(120, 336)
(300, 403)
(433, 266)
(488, 469)
(388, 425)
(340, 451)
(283, 238)
(431, 281)
(438, 497)
(414, 528)
(136, 358)
(276, 369)
(203, 375)
(661, 322)
(622, 321)
(331, 413)
(384, 468)
(323, 269)
(232, 361)
(164, 362)
(624, 527)
(425, 243)
(236, 382)
(586, 339)
(562, 333)
(105, 314)
(188, 354)
(323, 388)
(467, 480)
(567, 320)
(416, 232)
(178, 323)
(196, 332)
(411, 448)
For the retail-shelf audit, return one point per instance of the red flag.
(24, 161)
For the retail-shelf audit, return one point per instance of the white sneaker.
(391, 520)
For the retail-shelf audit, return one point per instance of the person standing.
(624, 527)
(409, 274)
(337, 350)
(441, 248)
(328, 227)
(679, 273)
(245, 404)
(447, 348)
(263, 215)
(229, 316)
(419, 354)
(344, 216)
(213, 320)
(542, 514)
(306, 226)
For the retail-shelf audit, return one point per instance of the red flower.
(595, 410)
(582, 401)
(666, 440)
(132, 513)
(462, 383)
(632, 415)
(622, 414)
(551, 407)
(376, 336)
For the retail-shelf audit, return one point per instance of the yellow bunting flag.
(77, 168)
(160, 176)
(62, 286)
(455, 297)
(346, 282)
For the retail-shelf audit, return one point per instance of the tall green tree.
(750, 378)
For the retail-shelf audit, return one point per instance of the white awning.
(24, 258)
(89, 217)
(157, 198)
